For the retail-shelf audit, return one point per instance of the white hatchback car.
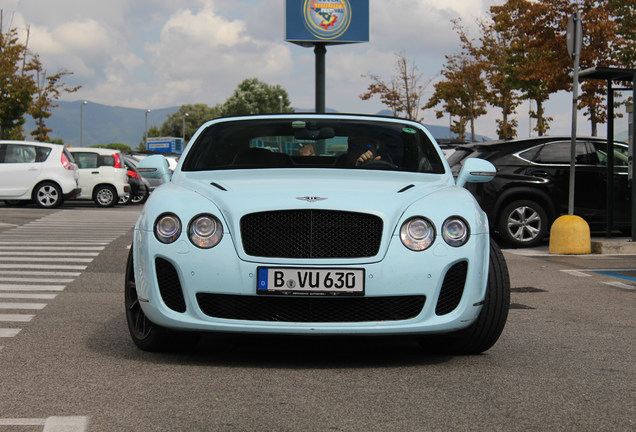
(103, 176)
(39, 172)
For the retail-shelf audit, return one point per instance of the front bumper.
(183, 287)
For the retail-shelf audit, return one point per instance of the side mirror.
(155, 166)
(476, 171)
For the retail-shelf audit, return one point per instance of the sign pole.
(574, 35)
(320, 51)
(632, 153)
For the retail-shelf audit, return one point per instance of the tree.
(493, 52)
(253, 96)
(604, 44)
(16, 84)
(153, 131)
(48, 90)
(192, 116)
(403, 94)
(25, 88)
(624, 14)
(463, 91)
(539, 63)
(115, 146)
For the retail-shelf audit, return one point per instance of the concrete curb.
(621, 245)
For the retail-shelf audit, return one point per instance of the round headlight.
(167, 228)
(455, 231)
(205, 231)
(417, 233)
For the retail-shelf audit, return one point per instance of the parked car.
(37, 172)
(172, 158)
(139, 186)
(369, 234)
(531, 188)
(103, 177)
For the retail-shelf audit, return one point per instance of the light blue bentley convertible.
(316, 224)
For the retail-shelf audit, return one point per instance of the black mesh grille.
(169, 285)
(452, 288)
(310, 309)
(311, 234)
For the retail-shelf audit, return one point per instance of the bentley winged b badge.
(311, 199)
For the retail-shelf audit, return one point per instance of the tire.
(105, 196)
(47, 195)
(485, 331)
(139, 199)
(146, 335)
(124, 199)
(522, 223)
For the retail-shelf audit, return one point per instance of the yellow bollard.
(570, 235)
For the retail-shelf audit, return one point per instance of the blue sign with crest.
(326, 21)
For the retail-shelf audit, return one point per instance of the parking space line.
(40, 273)
(576, 273)
(48, 254)
(621, 285)
(29, 306)
(616, 274)
(6, 287)
(24, 296)
(9, 332)
(51, 424)
(42, 266)
(17, 279)
(16, 318)
(45, 259)
(45, 247)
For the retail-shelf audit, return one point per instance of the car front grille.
(452, 288)
(169, 285)
(311, 234)
(310, 309)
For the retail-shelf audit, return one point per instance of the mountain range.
(104, 124)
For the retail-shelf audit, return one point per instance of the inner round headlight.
(417, 233)
(205, 231)
(167, 228)
(455, 231)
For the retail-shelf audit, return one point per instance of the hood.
(384, 193)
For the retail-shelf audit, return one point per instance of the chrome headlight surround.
(455, 231)
(167, 228)
(205, 231)
(417, 233)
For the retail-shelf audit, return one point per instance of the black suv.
(531, 187)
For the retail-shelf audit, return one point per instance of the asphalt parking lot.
(565, 360)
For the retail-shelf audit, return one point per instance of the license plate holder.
(310, 281)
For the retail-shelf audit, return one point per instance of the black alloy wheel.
(522, 223)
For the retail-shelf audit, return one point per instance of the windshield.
(313, 143)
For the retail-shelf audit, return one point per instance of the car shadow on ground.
(272, 351)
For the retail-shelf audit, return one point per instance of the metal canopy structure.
(610, 75)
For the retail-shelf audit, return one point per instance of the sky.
(153, 54)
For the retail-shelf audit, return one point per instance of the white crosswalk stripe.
(40, 258)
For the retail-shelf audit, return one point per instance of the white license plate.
(303, 281)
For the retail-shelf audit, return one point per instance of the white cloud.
(208, 55)
(159, 53)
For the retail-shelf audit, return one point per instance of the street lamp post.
(82, 123)
(280, 99)
(146, 129)
(183, 128)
